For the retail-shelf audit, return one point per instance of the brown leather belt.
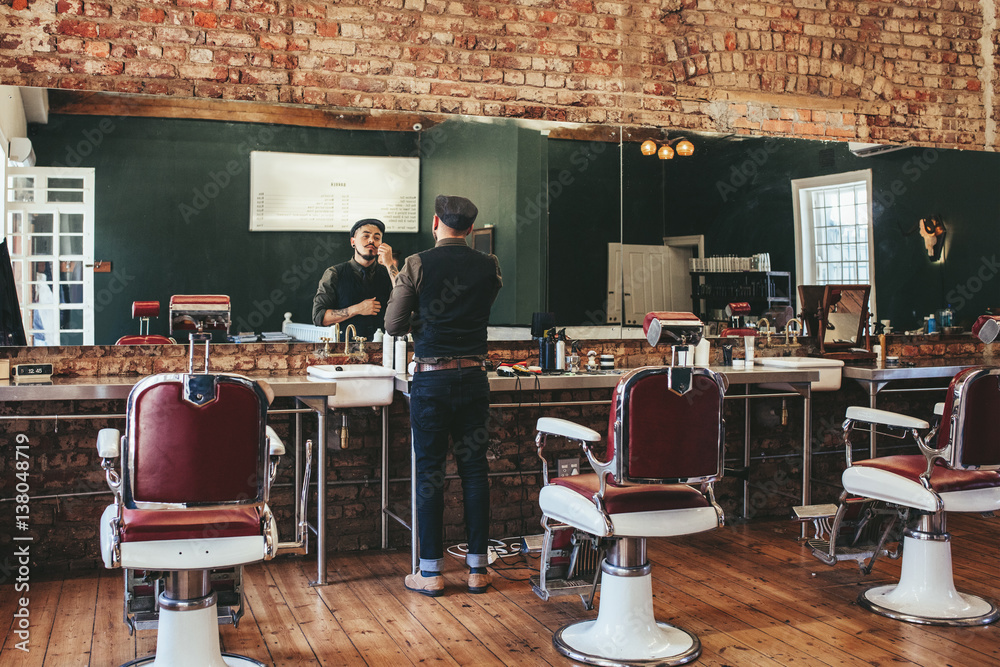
(454, 363)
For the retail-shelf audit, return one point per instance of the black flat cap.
(456, 212)
(368, 221)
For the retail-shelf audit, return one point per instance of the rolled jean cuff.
(477, 560)
(435, 565)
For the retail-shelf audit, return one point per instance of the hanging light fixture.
(666, 149)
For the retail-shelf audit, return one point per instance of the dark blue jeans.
(451, 403)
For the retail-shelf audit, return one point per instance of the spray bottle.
(561, 350)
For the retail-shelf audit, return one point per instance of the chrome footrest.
(141, 593)
(821, 549)
(813, 512)
(557, 587)
(819, 515)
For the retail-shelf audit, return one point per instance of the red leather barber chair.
(143, 310)
(903, 500)
(191, 497)
(664, 452)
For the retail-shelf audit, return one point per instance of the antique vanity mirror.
(836, 318)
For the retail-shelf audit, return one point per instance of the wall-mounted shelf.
(761, 289)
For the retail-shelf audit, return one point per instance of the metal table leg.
(746, 458)
(321, 500)
(806, 447)
(414, 536)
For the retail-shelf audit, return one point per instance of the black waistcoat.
(351, 289)
(457, 289)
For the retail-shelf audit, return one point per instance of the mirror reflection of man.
(356, 291)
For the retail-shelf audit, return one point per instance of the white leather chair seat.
(570, 507)
(890, 487)
(182, 554)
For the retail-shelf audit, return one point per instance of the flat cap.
(456, 212)
(368, 221)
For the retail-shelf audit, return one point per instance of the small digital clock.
(32, 372)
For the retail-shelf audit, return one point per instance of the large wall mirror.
(172, 207)
(173, 200)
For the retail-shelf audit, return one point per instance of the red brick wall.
(907, 71)
(70, 492)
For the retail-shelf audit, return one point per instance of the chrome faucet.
(798, 328)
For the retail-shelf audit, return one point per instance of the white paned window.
(833, 230)
(49, 226)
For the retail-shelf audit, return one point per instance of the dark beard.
(367, 258)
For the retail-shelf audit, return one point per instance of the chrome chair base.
(977, 611)
(625, 631)
(230, 659)
(926, 591)
(674, 647)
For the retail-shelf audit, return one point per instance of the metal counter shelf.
(874, 380)
(107, 387)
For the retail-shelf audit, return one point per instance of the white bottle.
(387, 343)
(377, 338)
(561, 355)
(399, 355)
(702, 353)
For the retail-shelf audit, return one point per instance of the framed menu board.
(299, 192)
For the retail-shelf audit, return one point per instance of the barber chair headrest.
(145, 309)
(738, 332)
(199, 302)
(737, 308)
(672, 328)
(987, 327)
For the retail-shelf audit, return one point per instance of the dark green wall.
(584, 217)
(501, 168)
(737, 193)
(172, 214)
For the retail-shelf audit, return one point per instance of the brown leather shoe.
(431, 586)
(478, 583)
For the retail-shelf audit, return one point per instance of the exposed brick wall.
(66, 470)
(917, 71)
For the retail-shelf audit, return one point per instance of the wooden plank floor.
(751, 593)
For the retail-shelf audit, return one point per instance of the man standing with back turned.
(444, 295)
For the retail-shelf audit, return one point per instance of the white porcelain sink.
(358, 385)
(830, 370)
